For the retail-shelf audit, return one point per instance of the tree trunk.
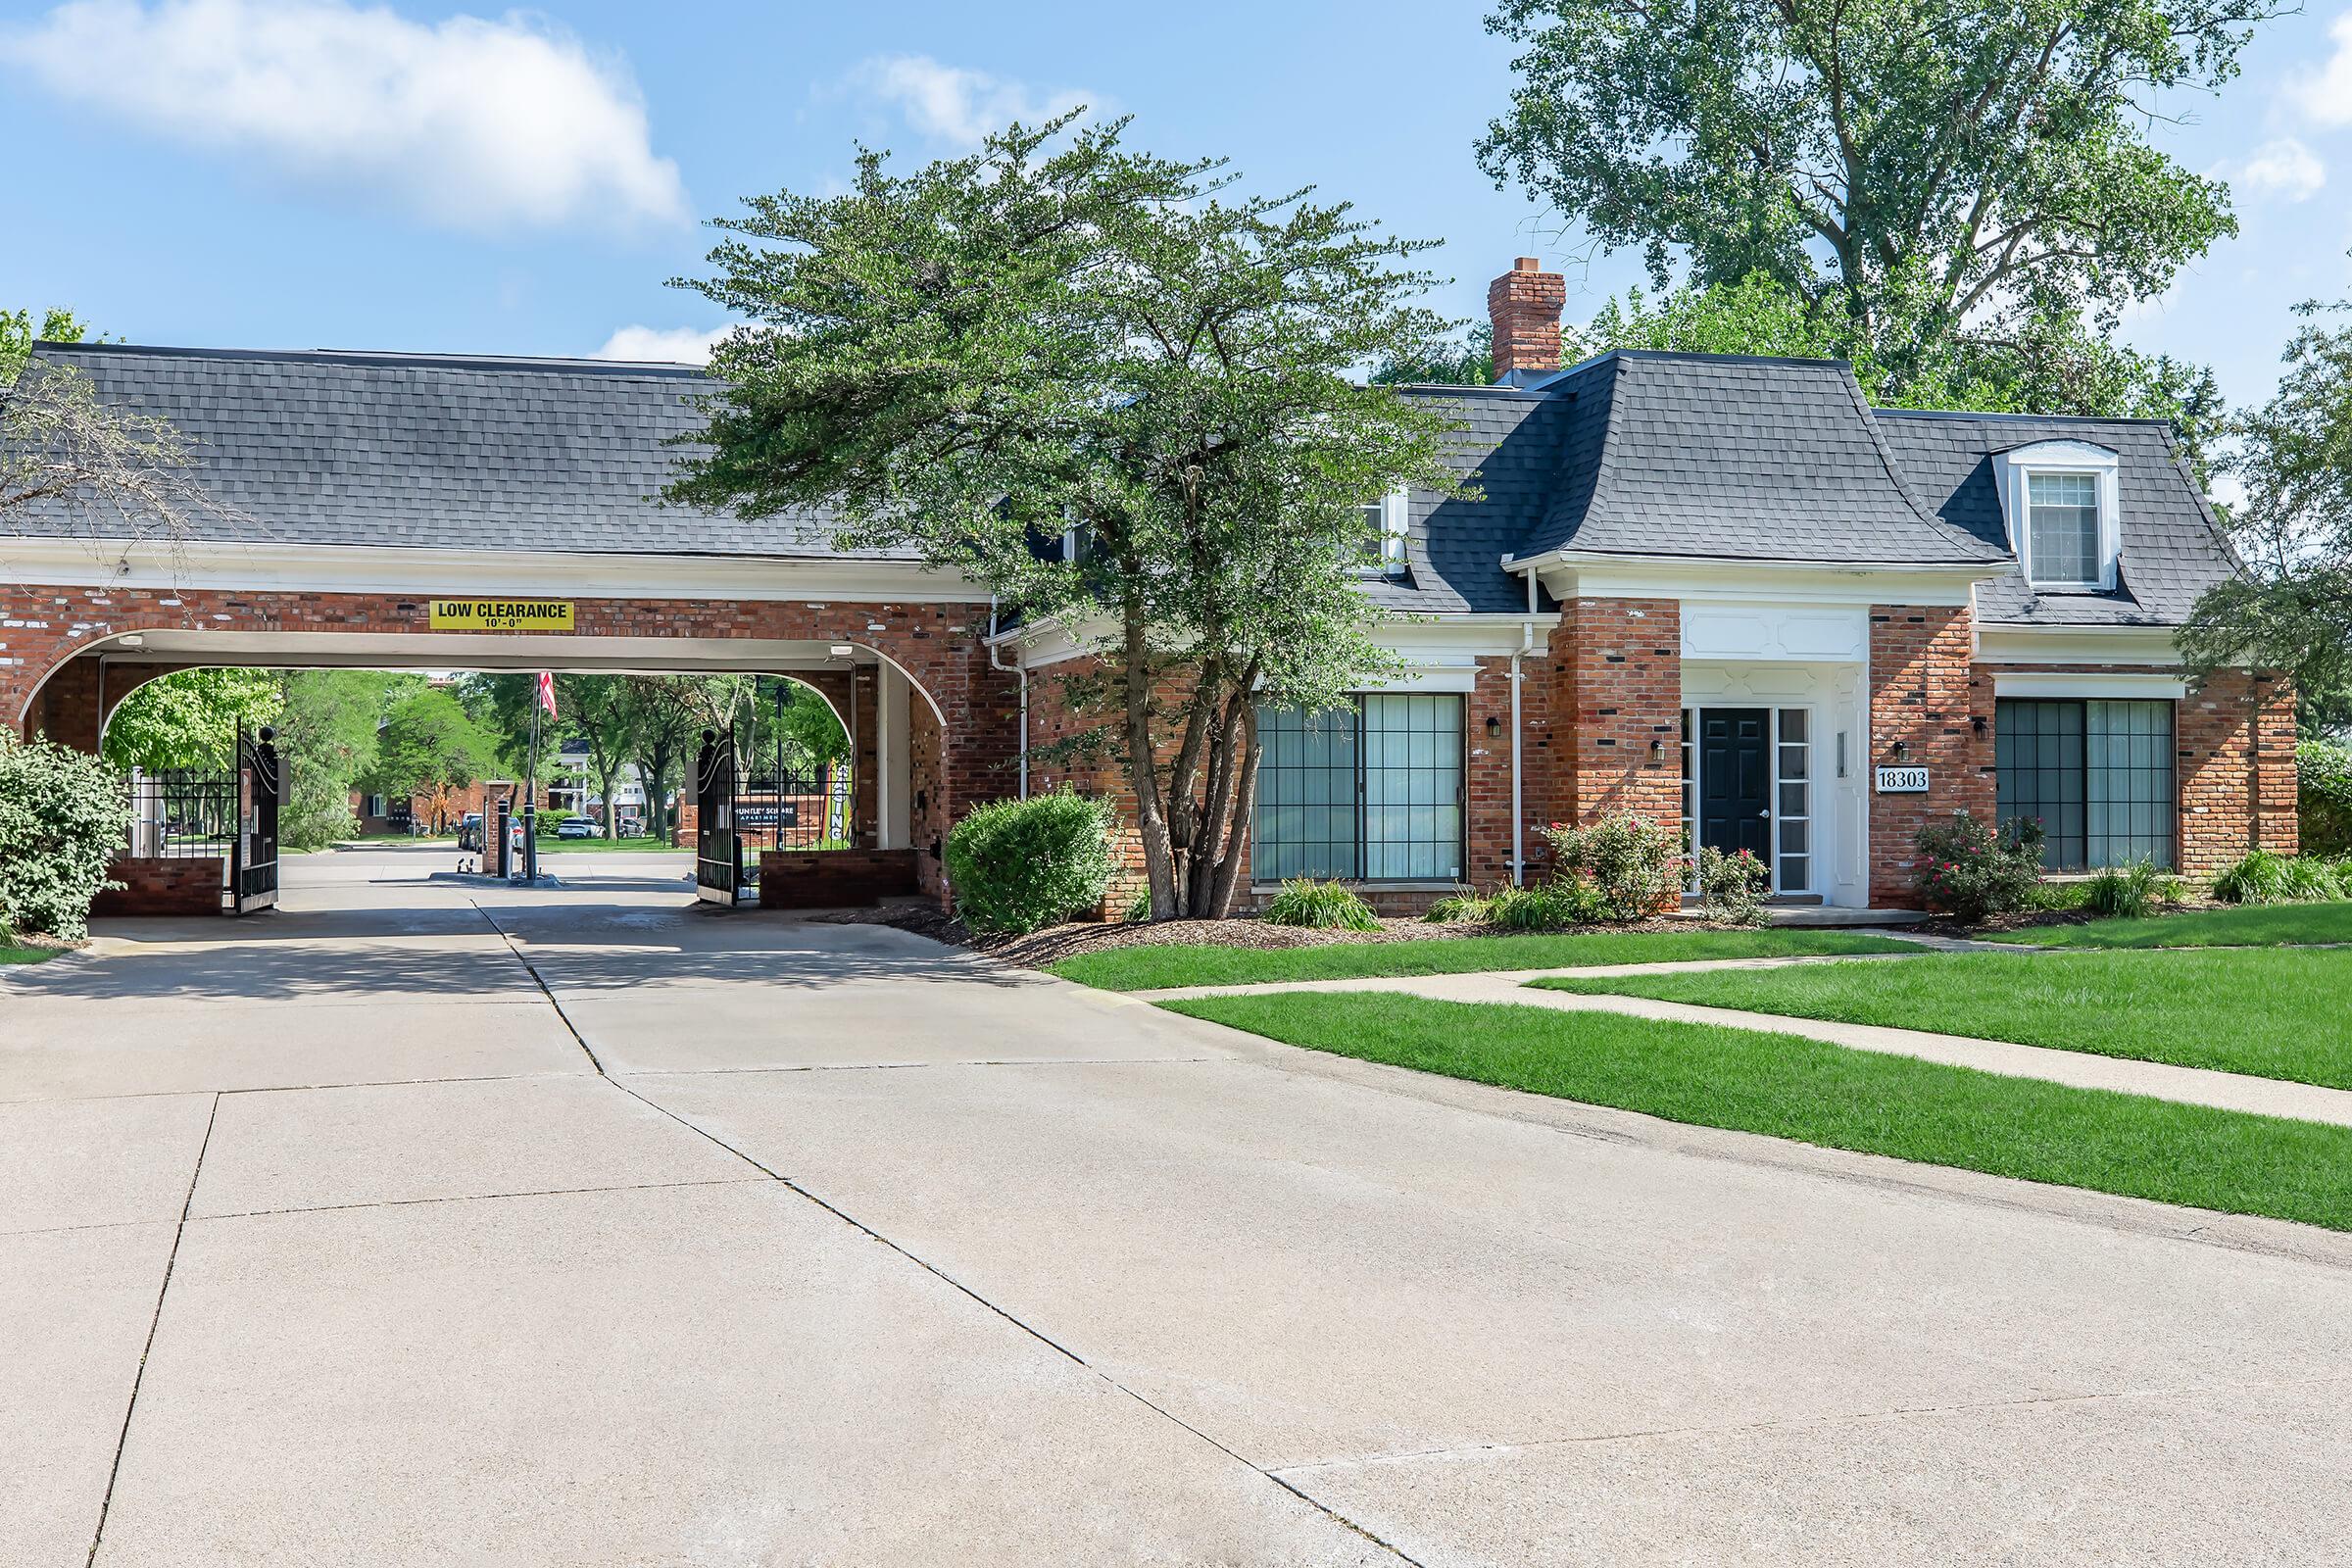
(1245, 806)
(1150, 824)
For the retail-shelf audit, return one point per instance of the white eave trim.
(1600, 574)
(409, 573)
(2089, 685)
(1999, 643)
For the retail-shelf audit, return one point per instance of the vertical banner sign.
(500, 614)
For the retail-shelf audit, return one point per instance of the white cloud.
(955, 105)
(2283, 167)
(2325, 95)
(473, 123)
(665, 345)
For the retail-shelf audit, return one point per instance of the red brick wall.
(834, 879)
(2234, 738)
(1924, 691)
(1616, 686)
(155, 886)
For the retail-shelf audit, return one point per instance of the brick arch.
(963, 735)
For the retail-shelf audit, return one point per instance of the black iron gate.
(717, 847)
(253, 849)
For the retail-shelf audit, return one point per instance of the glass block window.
(2063, 516)
(1370, 792)
(1793, 863)
(2097, 773)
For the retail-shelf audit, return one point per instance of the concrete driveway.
(411, 1225)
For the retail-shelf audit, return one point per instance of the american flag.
(546, 693)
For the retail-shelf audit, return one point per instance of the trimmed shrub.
(2129, 892)
(1017, 865)
(2324, 797)
(2257, 877)
(1970, 871)
(1731, 887)
(1323, 906)
(1636, 866)
(63, 815)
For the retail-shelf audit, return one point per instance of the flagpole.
(530, 800)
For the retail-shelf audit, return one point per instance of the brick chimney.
(1524, 303)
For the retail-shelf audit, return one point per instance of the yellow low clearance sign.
(502, 614)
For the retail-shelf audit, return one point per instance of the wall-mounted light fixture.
(1657, 750)
(1902, 748)
(1494, 727)
(841, 650)
(1975, 721)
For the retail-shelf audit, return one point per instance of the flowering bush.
(1635, 865)
(1968, 870)
(1731, 887)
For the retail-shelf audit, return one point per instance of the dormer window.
(1383, 535)
(2060, 502)
(2062, 526)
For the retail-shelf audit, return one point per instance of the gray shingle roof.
(2173, 550)
(451, 453)
(1649, 454)
(1745, 458)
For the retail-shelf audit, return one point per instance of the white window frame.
(1396, 521)
(2014, 472)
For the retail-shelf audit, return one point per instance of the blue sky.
(311, 174)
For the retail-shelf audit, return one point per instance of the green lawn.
(2275, 1013)
(1840, 1099)
(1149, 968)
(549, 844)
(16, 954)
(2268, 925)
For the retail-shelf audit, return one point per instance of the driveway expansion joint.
(155, 1320)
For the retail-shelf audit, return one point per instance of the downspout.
(1526, 645)
(1020, 670)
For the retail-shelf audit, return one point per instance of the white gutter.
(1021, 671)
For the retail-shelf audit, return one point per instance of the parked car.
(576, 827)
(470, 832)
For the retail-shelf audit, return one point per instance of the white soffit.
(2089, 685)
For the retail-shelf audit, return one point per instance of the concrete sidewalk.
(598, 1230)
(2192, 1085)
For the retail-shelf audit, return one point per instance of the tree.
(1914, 169)
(429, 746)
(190, 718)
(1057, 335)
(327, 731)
(18, 333)
(597, 709)
(668, 712)
(2292, 608)
(100, 470)
(1468, 361)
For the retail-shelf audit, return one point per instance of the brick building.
(1717, 589)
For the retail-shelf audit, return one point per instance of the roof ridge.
(389, 358)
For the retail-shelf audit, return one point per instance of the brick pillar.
(1615, 710)
(1523, 306)
(1923, 693)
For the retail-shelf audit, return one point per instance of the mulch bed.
(1055, 943)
